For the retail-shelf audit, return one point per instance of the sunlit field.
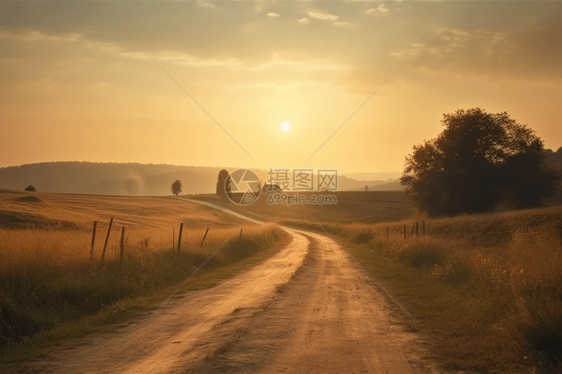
(489, 283)
(351, 207)
(49, 276)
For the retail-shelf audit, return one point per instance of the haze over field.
(149, 179)
(139, 179)
(77, 81)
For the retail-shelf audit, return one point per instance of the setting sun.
(286, 126)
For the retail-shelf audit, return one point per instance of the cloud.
(34, 35)
(205, 4)
(380, 9)
(322, 15)
(527, 54)
(272, 15)
(340, 23)
(303, 20)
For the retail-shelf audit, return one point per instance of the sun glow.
(286, 126)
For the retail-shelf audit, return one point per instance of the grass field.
(73, 212)
(351, 207)
(486, 289)
(47, 278)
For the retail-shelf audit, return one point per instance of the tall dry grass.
(489, 287)
(512, 310)
(46, 277)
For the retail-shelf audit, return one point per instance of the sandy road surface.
(328, 317)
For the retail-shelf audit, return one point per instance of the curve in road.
(286, 315)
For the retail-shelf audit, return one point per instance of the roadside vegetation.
(485, 289)
(47, 279)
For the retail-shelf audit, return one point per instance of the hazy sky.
(77, 82)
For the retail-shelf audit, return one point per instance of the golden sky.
(77, 81)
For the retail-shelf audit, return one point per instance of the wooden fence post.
(179, 238)
(417, 230)
(204, 236)
(106, 240)
(413, 228)
(122, 246)
(240, 238)
(93, 241)
(173, 240)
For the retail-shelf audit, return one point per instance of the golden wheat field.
(24, 210)
(490, 283)
(50, 275)
(352, 207)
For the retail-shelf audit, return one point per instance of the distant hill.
(108, 178)
(373, 176)
(350, 184)
(132, 179)
(391, 186)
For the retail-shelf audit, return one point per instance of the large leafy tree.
(479, 160)
(223, 183)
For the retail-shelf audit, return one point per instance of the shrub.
(423, 255)
(363, 236)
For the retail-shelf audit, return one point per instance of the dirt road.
(283, 316)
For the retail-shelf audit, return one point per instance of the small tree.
(30, 188)
(479, 160)
(176, 188)
(367, 188)
(223, 183)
